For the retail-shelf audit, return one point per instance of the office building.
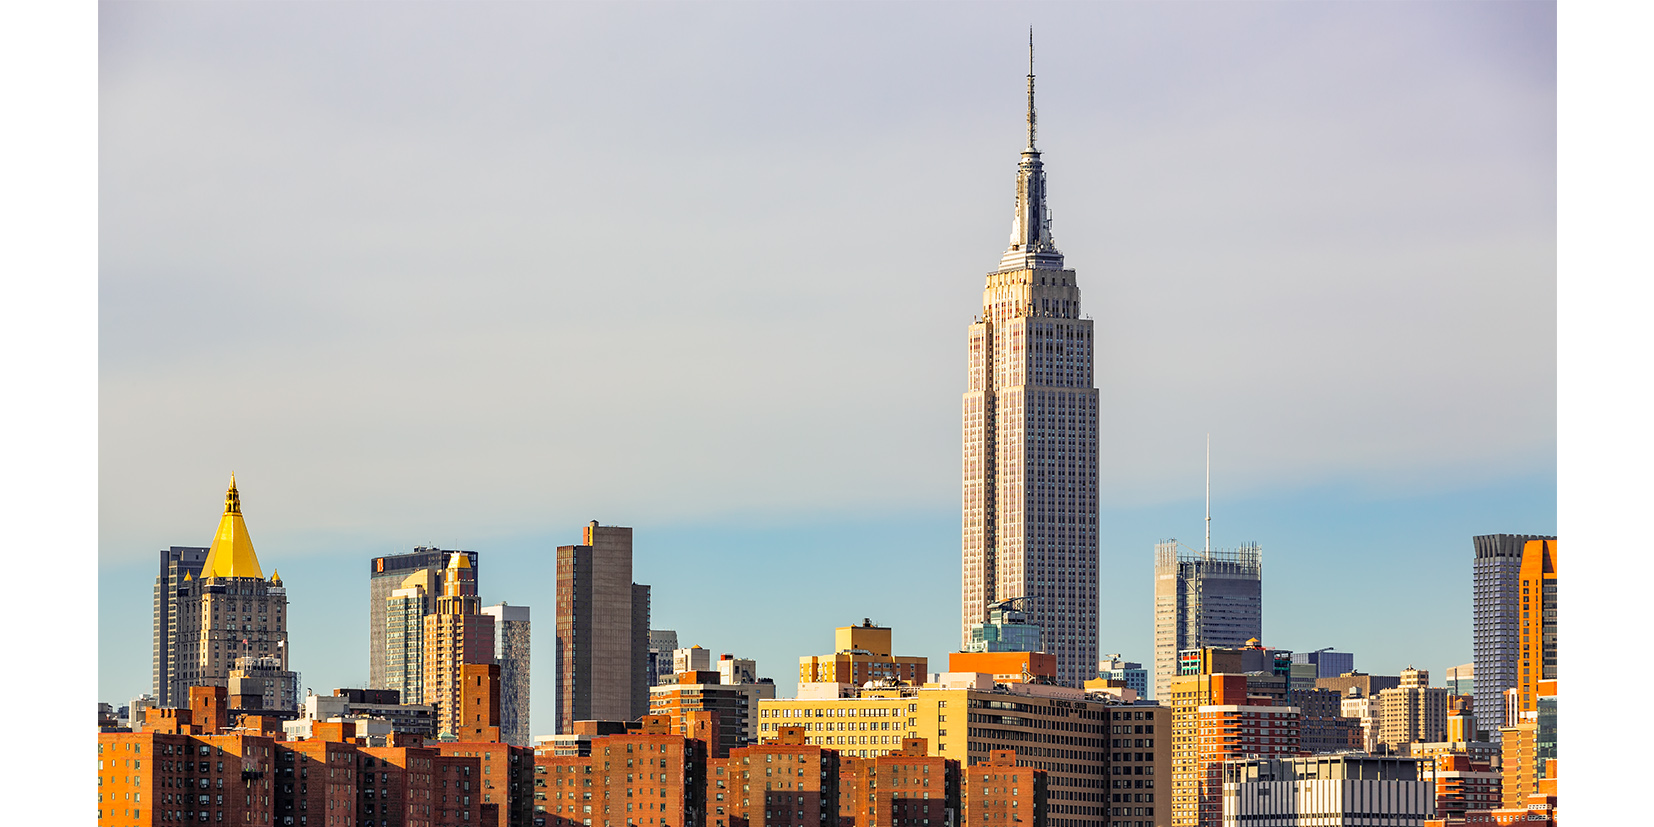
(1140, 753)
(1461, 680)
(966, 718)
(259, 685)
(1463, 784)
(1538, 622)
(735, 704)
(1112, 667)
(1412, 712)
(691, 659)
(1007, 629)
(1303, 675)
(177, 562)
(1203, 599)
(229, 611)
(1029, 526)
(1365, 685)
(403, 644)
(511, 648)
(733, 670)
(1327, 791)
(1254, 728)
(456, 633)
(602, 630)
(1252, 657)
(390, 573)
(1213, 716)
(1328, 664)
(1324, 727)
(662, 643)
(1496, 618)
(861, 654)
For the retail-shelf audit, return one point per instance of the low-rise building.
(1053, 728)
(906, 788)
(1140, 754)
(1463, 784)
(1327, 791)
(861, 654)
(1112, 667)
(736, 705)
(646, 777)
(1001, 792)
(783, 783)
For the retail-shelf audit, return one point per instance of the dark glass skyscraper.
(385, 575)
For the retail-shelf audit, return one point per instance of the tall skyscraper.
(602, 631)
(511, 652)
(456, 633)
(385, 575)
(177, 562)
(229, 611)
(1029, 526)
(1202, 599)
(1497, 615)
(404, 647)
(1538, 585)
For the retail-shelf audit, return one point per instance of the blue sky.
(476, 275)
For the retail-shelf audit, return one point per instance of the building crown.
(1032, 247)
(232, 552)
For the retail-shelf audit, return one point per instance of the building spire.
(1208, 552)
(231, 554)
(1032, 247)
(1031, 117)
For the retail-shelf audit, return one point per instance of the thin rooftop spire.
(1031, 87)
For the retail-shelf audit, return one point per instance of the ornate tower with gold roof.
(227, 611)
(457, 633)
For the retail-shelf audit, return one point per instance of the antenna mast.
(1030, 88)
(1208, 552)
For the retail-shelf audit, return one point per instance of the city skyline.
(1376, 454)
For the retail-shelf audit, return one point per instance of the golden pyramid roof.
(232, 553)
(459, 561)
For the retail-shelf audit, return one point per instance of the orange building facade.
(648, 777)
(905, 788)
(783, 783)
(998, 793)
(1255, 728)
(1006, 667)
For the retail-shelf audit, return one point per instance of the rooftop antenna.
(1030, 87)
(1208, 552)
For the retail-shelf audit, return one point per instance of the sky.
(474, 275)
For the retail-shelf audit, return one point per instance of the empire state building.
(1030, 452)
